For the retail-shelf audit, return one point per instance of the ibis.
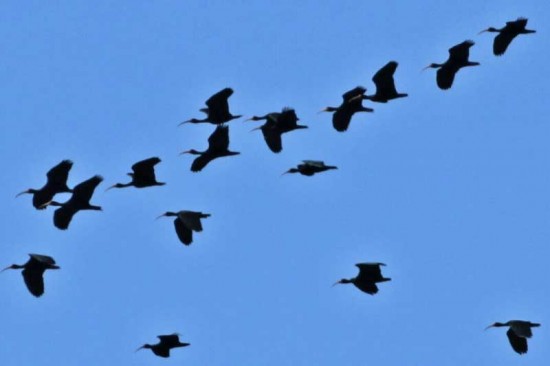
(166, 343)
(369, 275)
(310, 167)
(518, 332)
(185, 223)
(351, 104)
(33, 272)
(507, 34)
(143, 175)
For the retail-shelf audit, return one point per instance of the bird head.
(328, 109)
(166, 214)
(28, 191)
(192, 152)
(148, 346)
(497, 324)
(490, 29)
(118, 185)
(291, 171)
(192, 120)
(432, 66)
(342, 281)
(13, 266)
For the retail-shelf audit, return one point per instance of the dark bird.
(310, 167)
(507, 34)
(167, 342)
(351, 104)
(385, 85)
(458, 58)
(217, 111)
(369, 275)
(33, 271)
(80, 200)
(57, 183)
(518, 333)
(185, 223)
(218, 147)
(143, 175)
(276, 124)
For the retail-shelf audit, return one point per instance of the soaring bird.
(351, 104)
(185, 223)
(310, 167)
(143, 175)
(166, 343)
(518, 333)
(507, 34)
(57, 183)
(276, 124)
(458, 58)
(369, 275)
(217, 111)
(385, 85)
(218, 147)
(80, 200)
(33, 271)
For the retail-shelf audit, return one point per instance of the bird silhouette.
(143, 175)
(185, 223)
(56, 183)
(385, 85)
(351, 104)
(310, 167)
(218, 147)
(80, 200)
(166, 343)
(518, 333)
(507, 34)
(217, 111)
(33, 272)
(369, 275)
(458, 58)
(276, 124)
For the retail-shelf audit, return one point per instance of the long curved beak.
(336, 283)
(113, 186)
(285, 173)
(426, 68)
(490, 326)
(483, 31)
(158, 217)
(5, 269)
(323, 110)
(142, 347)
(19, 194)
(184, 152)
(184, 122)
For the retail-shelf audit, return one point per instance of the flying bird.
(351, 104)
(80, 200)
(143, 175)
(217, 111)
(385, 85)
(276, 124)
(369, 275)
(33, 272)
(518, 333)
(185, 223)
(166, 343)
(507, 34)
(310, 167)
(56, 183)
(458, 58)
(218, 147)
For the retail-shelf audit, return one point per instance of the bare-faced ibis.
(218, 147)
(143, 175)
(166, 343)
(385, 85)
(518, 333)
(458, 58)
(185, 223)
(57, 183)
(80, 200)
(217, 111)
(507, 34)
(310, 167)
(276, 124)
(33, 272)
(351, 104)
(369, 275)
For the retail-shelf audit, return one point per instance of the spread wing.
(445, 77)
(146, 168)
(59, 174)
(370, 271)
(383, 79)
(519, 344)
(185, 234)
(316, 163)
(83, 192)
(217, 103)
(355, 92)
(367, 286)
(341, 119)
(502, 41)
(34, 281)
(62, 217)
(272, 137)
(191, 220)
(169, 340)
(42, 259)
(461, 52)
(200, 162)
(219, 139)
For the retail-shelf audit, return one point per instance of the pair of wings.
(145, 169)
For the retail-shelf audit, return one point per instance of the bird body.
(458, 58)
(166, 343)
(33, 272)
(385, 85)
(518, 332)
(56, 183)
(310, 167)
(218, 147)
(217, 111)
(185, 223)
(143, 175)
(369, 275)
(507, 34)
(277, 124)
(352, 103)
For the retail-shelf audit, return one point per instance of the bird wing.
(219, 139)
(33, 280)
(519, 23)
(185, 234)
(272, 137)
(502, 41)
(383, 79)
(191, 219)
(370, 271)
(287, 120)
(217, 103)
(445, 77)
(316, 163)
(341, 119)
(522, 328)
(519, 344)
(355, 92)
(60, 173)
(62, 217)
(169, 340)
(461, 52)
(84, 191)
(366, 286)
(42, 259)
(200, 162)
(146, 168)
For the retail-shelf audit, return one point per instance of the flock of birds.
(276, 124)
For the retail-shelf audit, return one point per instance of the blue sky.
(449, 189)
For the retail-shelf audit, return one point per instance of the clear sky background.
(451, 189)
